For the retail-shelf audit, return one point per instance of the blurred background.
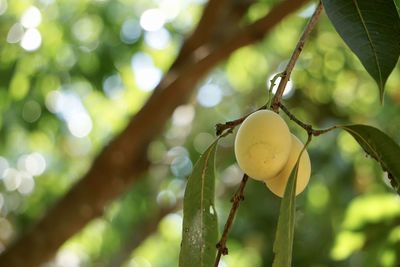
(73, 72)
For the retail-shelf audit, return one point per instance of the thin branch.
(308, 127)
(204, 30)
(296, 53)
(230, 125)
(236, 199)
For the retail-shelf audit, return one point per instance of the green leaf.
(283, 244)
(380, 147)
(371, 28)
(200, 226)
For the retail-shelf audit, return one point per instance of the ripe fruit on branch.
(262, 145)
(277, 184)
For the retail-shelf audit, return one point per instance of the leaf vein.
(374, 52)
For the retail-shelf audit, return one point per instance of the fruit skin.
(277, 184)
(262, 145)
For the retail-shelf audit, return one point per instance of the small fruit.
(277, 184)
(262, 145)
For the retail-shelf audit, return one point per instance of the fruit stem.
(295, 56)
(308, 127)
(236, 199)
(221, 127)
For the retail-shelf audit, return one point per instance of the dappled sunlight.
(31, 17)
(159, 39)
(68, 106)
(88, 29)
(130, 31)
(152, 19)
(232, 175)
(371, 209)
(183, 115)
(68, 258)
(209, 95)
(34, 163)
(21, 179)
(3, 6)
(364, 212)
(31, 40)
(346, 244)
(15, 33)
(113, 87)
(147, 76)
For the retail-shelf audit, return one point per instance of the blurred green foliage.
(71, 77)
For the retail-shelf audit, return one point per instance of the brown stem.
(236, 199)
(308, 127)
(285, 74)
(221, 127)
(296, 53)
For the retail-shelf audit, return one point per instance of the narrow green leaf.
(380, 147)
(283, 244)
(371, 28)
(200, 227)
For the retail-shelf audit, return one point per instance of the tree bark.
(122, 161)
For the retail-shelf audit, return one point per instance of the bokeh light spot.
(87, 29)
(346, 243)
(35, 164)
(209, 95)
(177, 151)
(181, 166)
(11, 179)
(318, 196)
(6, 229)
(27, 183)
(1, 201)
(130, 31)
(159, 39)
(147, 76)
(67, 258)
(31, 40)
(183, 115)
(3, 6)
(232, 175)
(31, 17)
(3, 166)
(152, 19)
(166, 198)
(113, 86)
(81, 125)
(170, 8)
(31, 111)
(68, 106)
(15, 33)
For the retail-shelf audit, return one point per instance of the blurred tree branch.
(122, 161)
(136, 237)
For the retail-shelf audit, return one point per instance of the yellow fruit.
(262, 145)
(277, 184)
